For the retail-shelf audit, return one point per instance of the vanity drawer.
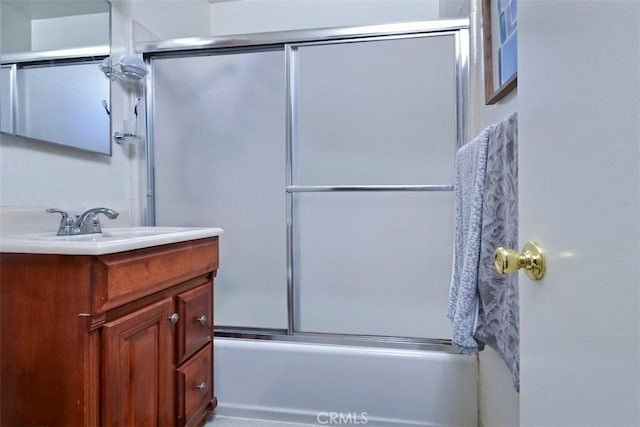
(194, 385)
(127, 276)
(194, 327)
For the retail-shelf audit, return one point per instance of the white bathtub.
(337, 385)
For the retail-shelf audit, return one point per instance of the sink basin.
(109, 241)
(109, 234)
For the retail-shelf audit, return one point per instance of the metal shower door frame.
(291, 41)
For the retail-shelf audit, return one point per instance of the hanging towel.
(498, 307)
(470, 166)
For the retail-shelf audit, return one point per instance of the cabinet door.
(137, 368)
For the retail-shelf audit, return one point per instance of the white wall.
(454, 8)
(15, 30)
(254, 16)
(70, 31)
(499, 403)
(36, 175)
(167, 19)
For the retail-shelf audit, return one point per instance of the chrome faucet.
(86, 223)
(89, 222)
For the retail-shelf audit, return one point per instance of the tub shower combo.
(327, 157)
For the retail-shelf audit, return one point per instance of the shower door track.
(282, 335)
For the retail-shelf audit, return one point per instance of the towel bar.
(319, 188)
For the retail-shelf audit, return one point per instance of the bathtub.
(344, 385)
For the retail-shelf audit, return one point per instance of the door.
(579, 132)
(229, 112)
(138, 370)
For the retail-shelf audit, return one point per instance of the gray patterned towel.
(498, 308)
(468, 190)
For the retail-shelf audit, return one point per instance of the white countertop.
(111, 240)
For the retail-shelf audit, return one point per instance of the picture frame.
(500, 42)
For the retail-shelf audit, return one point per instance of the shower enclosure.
(327, 157)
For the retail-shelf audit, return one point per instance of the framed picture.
(500, 41)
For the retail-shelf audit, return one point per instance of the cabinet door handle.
(202, 386)
(174, 318)
(202, 319)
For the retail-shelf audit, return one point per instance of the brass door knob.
(531, 259)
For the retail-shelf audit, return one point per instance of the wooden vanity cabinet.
(123, 339)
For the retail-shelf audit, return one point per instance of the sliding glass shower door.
(374, 141)
(219, 147)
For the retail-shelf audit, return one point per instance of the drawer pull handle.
(202, 319)
(202, 386)
(174, 318)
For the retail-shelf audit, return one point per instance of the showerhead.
(130, 68)
(133, 68)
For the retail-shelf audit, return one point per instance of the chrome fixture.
(89, 222)
(130, 68)
(86, 223)
(68, 225)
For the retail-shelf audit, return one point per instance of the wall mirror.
(51, 86)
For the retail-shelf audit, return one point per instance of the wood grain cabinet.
(123, 339)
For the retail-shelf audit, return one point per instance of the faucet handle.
(66, 218)
(67, 223)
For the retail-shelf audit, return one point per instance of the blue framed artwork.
(500, 41)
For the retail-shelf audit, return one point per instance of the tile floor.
(216, 421)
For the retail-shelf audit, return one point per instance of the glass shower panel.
(220, 155)
(388, 107)
(373, 263)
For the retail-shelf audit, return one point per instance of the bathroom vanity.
(101, 331)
